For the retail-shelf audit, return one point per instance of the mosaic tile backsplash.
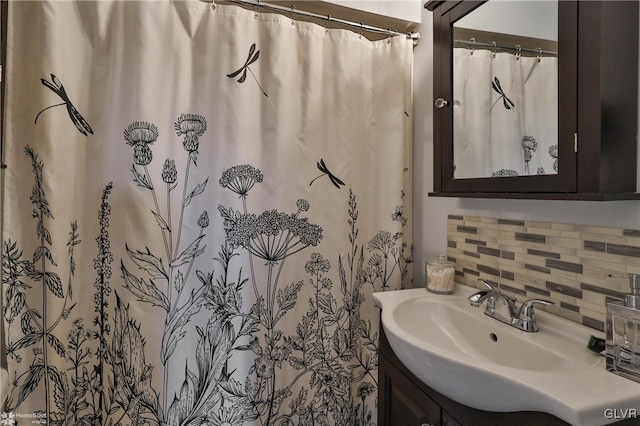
(565, 263)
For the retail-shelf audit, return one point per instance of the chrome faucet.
(522, 318)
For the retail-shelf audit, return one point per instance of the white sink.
(485, 364)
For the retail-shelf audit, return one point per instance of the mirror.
(505, 90)
(597, 82)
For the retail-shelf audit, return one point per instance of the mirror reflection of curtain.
(504, 115)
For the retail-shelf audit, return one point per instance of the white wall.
(430, 213)
(537, 19)
(406, 10)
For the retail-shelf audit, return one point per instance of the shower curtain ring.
(519, 49)
(493, 48)
(473, 45)
(293, 11)
(539, 50)
(326, 24)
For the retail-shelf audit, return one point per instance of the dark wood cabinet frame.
(597, 106)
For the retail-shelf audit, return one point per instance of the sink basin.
(485, 364)
(460, 331)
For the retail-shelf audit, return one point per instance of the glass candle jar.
(440, 275)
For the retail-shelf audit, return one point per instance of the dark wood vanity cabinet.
(403, 400)
(597, 106)
(404, 403)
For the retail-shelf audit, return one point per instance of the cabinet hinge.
(575, 142)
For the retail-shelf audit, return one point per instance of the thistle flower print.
(169, 171)
(142, 154)
(240, 179)
(191, 126)
(140, 131)
(140, 135)
(203, 220)
(529, 145)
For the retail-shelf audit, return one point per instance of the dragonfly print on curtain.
(107, 377)
(242, 71)
(78, 120)
(325, 172)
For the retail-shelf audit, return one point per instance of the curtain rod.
(415, 36)
(516, 48)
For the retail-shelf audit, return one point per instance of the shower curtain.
(199, 201)
(504, 114)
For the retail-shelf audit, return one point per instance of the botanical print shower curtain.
(504, 114)
(199, 202)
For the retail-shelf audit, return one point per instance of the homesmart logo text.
(13, 419)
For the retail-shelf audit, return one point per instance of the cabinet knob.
(441, 103)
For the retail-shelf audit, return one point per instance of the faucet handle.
(493, 289)
(477, 298)
(526, 317)
(526, 310)
(489, 286)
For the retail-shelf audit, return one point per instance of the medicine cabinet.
(526, 110)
